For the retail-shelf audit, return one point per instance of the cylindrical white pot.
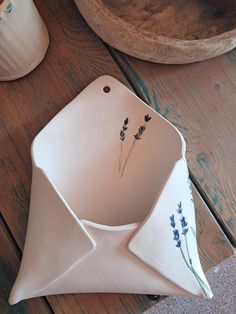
(23, 38)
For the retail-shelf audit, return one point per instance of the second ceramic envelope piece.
(111, 205)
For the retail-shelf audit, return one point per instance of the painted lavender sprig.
(122, 138)
(137, 136)
(177, 238)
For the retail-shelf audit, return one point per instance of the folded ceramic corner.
(111, 204)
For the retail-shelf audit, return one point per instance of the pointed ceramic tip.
(209, 294)
(205, 291)
(15, 297)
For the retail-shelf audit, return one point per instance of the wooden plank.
(100, 303)
(199, 99)
(9, 264)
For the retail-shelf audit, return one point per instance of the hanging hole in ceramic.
(106, 89)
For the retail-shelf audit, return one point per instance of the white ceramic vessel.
(111, 206)
(23, 38)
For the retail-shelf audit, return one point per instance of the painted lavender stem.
(187, 259)
(128, 156)
(137, 136)
(122, 138)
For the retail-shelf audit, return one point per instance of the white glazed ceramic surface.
(23, 38)
(110, 212)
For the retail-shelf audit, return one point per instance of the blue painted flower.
(183, 222)
(184, 226)
(147, 118)
(179, 209)
(176, 234)
(178, 244)
(184, 231)
(172, 221)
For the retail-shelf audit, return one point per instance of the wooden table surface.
(199, 99)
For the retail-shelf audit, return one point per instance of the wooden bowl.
(165, 31)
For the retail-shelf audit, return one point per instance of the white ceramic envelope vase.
(111, 205)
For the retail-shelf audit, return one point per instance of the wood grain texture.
(213, 246)
(183, 19)
(200, 100)
(100, 303)
(75, 57)
(9, 265)
(164, 31)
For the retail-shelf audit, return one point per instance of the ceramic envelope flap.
(111, 206)
(172, 225)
